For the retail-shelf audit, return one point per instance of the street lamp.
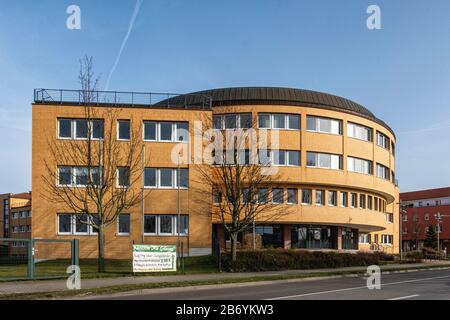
(438, 217)
(402, 211)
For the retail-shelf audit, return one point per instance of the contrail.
(124, 42)
(424, 130)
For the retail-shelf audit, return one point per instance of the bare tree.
(238, 179)
(101, 186)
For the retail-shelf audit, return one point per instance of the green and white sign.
(154, 258)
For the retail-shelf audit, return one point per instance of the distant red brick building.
(421, 209)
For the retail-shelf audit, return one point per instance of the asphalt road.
(422, 285)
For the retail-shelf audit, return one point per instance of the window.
(387, 239)
(427, 217)
(278, 121)
(320, 197)
(165, 224)
(343, 199)
(383, 141)
(324, 125)
(80, 129)
(184, 225)
(149, 131)
(293, 158)
(383, 172)
(150, 177)
(369, 202)
(76, 224)
(165, 131)
(353, 200)
(264, 121)
(123, 224)
(324, 160)
(375, 202)
(279, 157)
(389, 217)
(232, 121)
(123, 177)
(166, 178)
(277, 195)
(263, 195)
(405, 218)
(182, 131)
(359, 165)
(332, 198)
(306, 196)
(217, 196)
(65, 128)
(246, 195)
(64, 176)
(393, 148)
(362, 201)
(184, 178)
(81, 175)
(123, 128)
(292, 196)
(364, 238)
(358, 131)
(149, 224)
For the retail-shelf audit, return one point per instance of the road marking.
(405, 297)
(353, 288)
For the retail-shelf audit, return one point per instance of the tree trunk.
(233, 246)
(101, 250)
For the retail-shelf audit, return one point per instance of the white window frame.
(71, 232)
(351, 133)
(175, 220)
(156, 225)
(386, 141)
(286, 121)
(365, 237)
(318, 125)
(171, 128)
(345, 194)
(335, 198)
(118, 178)
(282, 196)
(156, 131)
(59, 129)
(118, 225)
(287, 196)
(118, 128)
(159, 225)
(318, 154)
(173, 179)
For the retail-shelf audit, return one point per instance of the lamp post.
(402, 211)
(438, 217)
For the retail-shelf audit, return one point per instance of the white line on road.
(405, 297)
(353, 288)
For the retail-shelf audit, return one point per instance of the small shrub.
(280, 259)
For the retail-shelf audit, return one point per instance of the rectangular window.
(149, 224)
(230, 121)
(277, 195)
(362, 201)
(263, 195)
(165, 131)
(81, 224)
(65, 128)
(166, 178)
(324, 160)
(217, 122)
(279, 157)
(324, 125)
(150, 177)
(343, 199)
(98, 129)
(184, 178)
(383, 141)
(123, 224)
(182, 131)
(307, 196)
(123, 177)
(81, 175)
(364, 238)
(387, 239)
(217, 196)
(375, 202)
(332, 198)
(64, 176)
(293, 122)
(165, 224)
(245, 121)
(292, 196)
(358, 131)
(279, 121)
(320, 197)
(359, 165)
(383, 172)
(264, 121)
(353, 200)
(293, 158)
(246, 195)
(389, 217)
(150, 131)
(184, 225)
(81, 129)
(370, 202)
(123, 128)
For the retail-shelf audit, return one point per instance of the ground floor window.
(76, 224)
(123, 224)
(165, 225)
(364, 238)
(311, 237)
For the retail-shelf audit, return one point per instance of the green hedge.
(274, 260)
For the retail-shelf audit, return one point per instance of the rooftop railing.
(121, 98)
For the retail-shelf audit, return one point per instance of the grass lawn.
(114, 268)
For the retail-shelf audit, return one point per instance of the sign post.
(154, 258)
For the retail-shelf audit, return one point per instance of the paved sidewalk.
(7, 288)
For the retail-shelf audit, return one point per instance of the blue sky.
(401, 73)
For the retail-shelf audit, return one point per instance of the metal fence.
(148, 99)
(37, 258)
